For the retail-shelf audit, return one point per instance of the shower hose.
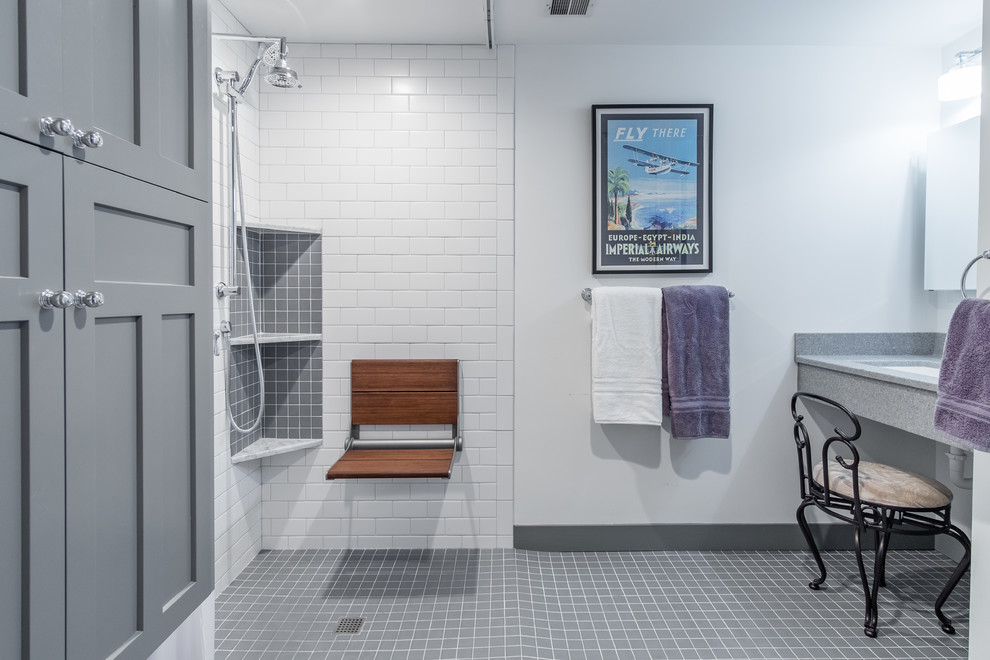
(236, 181)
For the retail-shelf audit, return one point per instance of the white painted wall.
(403, 157)
(818, 209)
(237, 492)
(979, 599)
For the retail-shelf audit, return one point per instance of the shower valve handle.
(88, 299)
(83, 139)
(58, 126)
(49, 299)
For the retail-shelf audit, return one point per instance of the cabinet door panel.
(175, 458)
(133, 247)
(32, 464)
(144, 359)
(178, 74)
(115, 33)
(104, 561)
(10, 45)
(13, 344)
(30, 67)
(137, 73)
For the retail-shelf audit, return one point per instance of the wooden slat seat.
(388, 463)
(404, 393)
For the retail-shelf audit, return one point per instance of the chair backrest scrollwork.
(837, 446)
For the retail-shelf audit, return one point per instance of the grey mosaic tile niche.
(286, 276)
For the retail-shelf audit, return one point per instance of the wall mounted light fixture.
(964, 79)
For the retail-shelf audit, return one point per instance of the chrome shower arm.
(227, 36)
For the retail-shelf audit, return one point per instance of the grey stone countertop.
(908, 358)
(891, 378)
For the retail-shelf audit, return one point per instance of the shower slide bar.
(962, 282)
(586, 293)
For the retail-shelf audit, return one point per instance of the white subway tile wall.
(238, 506)
(403, 157)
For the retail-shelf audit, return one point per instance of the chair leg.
(806, 530)
(876, 555)
(879, 569)
(961, 568)
(870, 620)
(881, 558)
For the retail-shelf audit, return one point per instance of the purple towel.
(962, 410)
(696, 361)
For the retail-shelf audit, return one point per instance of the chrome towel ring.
(962, 282)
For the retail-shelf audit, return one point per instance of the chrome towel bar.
(586, 293)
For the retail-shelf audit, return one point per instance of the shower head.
(271, 52)
(281, 74)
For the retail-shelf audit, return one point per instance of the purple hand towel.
(696, 361)
(962, 410)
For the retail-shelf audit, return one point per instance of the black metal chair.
(869, 496)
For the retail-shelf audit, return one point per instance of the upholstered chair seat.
(884, 485)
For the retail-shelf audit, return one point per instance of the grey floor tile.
(490, 604)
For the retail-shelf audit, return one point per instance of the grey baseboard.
(614, 538)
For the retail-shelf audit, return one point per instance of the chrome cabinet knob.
(58, 126)
(61, 299)
(83, 139)
(88, 299)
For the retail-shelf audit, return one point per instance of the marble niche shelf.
(274, 338)
(272, 446)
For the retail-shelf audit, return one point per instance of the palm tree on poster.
(618, 184)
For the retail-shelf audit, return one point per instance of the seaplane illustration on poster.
(657, 164)
(652, 188)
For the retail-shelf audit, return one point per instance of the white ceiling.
(678, 22)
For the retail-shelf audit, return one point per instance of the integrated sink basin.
(921, 370)
(928, 367)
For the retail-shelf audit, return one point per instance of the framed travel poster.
(652, 188)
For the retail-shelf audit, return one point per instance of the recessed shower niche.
(286, 278)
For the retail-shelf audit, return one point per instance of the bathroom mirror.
(951, 204)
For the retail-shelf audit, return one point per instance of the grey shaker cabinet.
(106, 491)
(32, 405)
(106, 411)
(133, 71)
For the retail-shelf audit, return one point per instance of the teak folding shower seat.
(400, 392)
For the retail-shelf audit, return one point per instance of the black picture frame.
(659, 158)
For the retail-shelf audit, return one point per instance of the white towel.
(626, 344)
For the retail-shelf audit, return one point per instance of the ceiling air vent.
(569, 7)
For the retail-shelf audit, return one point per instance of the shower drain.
(349, 625)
